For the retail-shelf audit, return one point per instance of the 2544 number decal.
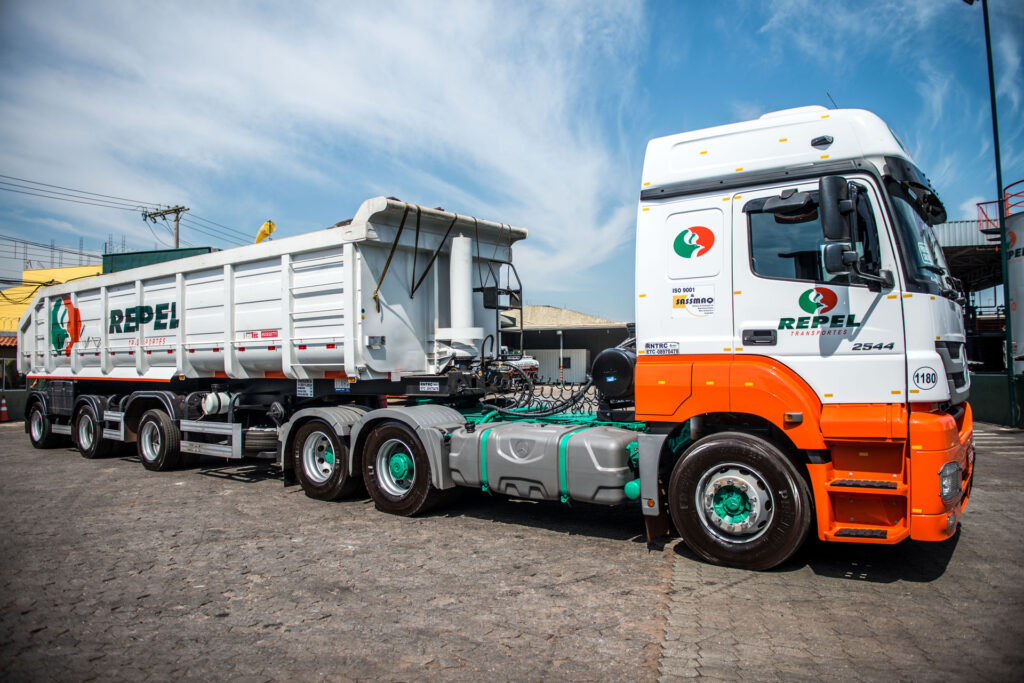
(868, 346)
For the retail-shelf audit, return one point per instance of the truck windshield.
(924, 258)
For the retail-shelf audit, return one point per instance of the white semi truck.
(798, 362)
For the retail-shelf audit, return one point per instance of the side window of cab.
(786, 240)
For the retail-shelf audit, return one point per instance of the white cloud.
(170, 101)
(969, 208)
(1007, 65)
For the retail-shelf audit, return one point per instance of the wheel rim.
(86, 432)
(396, 468)
(36, 425)
(734, 503)
(318, 457)
(151, 441)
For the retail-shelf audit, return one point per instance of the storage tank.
(369, 298)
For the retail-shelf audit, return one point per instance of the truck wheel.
(39, 432)
(321, 462)
(88, 433)
(158, 442)
(396, 471)
(738, 501)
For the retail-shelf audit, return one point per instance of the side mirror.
(835, 208)
(839, 258)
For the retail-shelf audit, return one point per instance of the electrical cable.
(107, 196)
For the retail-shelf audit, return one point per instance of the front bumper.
(936, 439)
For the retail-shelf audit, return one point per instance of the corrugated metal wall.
(961, 234)
(577, 364)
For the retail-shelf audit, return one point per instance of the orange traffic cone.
(4, 417)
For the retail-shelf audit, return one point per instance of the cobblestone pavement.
(108, 570)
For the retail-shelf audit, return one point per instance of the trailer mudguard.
(340, 418)
(430, 423)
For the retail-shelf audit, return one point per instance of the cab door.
(842, 334)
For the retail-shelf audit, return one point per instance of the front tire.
(738, 501)
(158, 441)
(396, 471)
(39, 432)
(88, 433)
(321, 462)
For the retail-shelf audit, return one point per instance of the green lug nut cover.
(329, 456)
(400, 465)
(731, 504)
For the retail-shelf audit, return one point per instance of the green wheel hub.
(400, 465)
(329, 456)
(731, 504)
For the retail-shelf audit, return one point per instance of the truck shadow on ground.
(912, 561)
(577, 519)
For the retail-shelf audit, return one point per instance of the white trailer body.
(297, 308)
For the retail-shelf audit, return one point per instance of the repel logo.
(1012, 250)
(65, 326)
(817, 301)
(693, 239)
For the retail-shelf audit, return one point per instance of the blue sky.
(527, 113)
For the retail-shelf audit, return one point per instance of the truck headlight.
(950, 477)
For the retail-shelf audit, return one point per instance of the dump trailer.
(798, 360)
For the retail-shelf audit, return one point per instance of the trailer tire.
(88, 434)
(158, 442)
(39, 432)
(321, 462)
(738, 501)
(396, 471)
(259, 440)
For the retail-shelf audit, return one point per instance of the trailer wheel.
(158, 442)
(321, 462)
(396, 471)
(738, 501)
(88, 433)
(39, 432)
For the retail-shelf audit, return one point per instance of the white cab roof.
(776, 140)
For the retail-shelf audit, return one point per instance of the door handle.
(760, 337)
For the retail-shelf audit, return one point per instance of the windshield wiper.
(935, 269)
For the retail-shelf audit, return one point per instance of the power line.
(212, 232)
(47, 247)
(207, 220)
(69, 189)
(54, 194)
(74, 201)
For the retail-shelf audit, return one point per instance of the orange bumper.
(937, 439)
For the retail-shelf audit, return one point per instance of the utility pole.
(176, 211)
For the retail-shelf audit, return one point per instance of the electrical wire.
(96, 194)
(74, 201)
(207, 220)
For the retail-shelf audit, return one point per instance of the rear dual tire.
(40, 431)
(396, 471)
(88, 433)
(158, 441)
(321, 462)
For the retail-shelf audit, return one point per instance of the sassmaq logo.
(65, 326)
(818, 300)
(696, 239)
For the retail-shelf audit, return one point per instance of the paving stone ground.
(219, 572)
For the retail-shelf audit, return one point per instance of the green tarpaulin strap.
(484, 484)
(563, 479)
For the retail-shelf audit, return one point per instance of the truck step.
(860, 533)
(864, 484)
